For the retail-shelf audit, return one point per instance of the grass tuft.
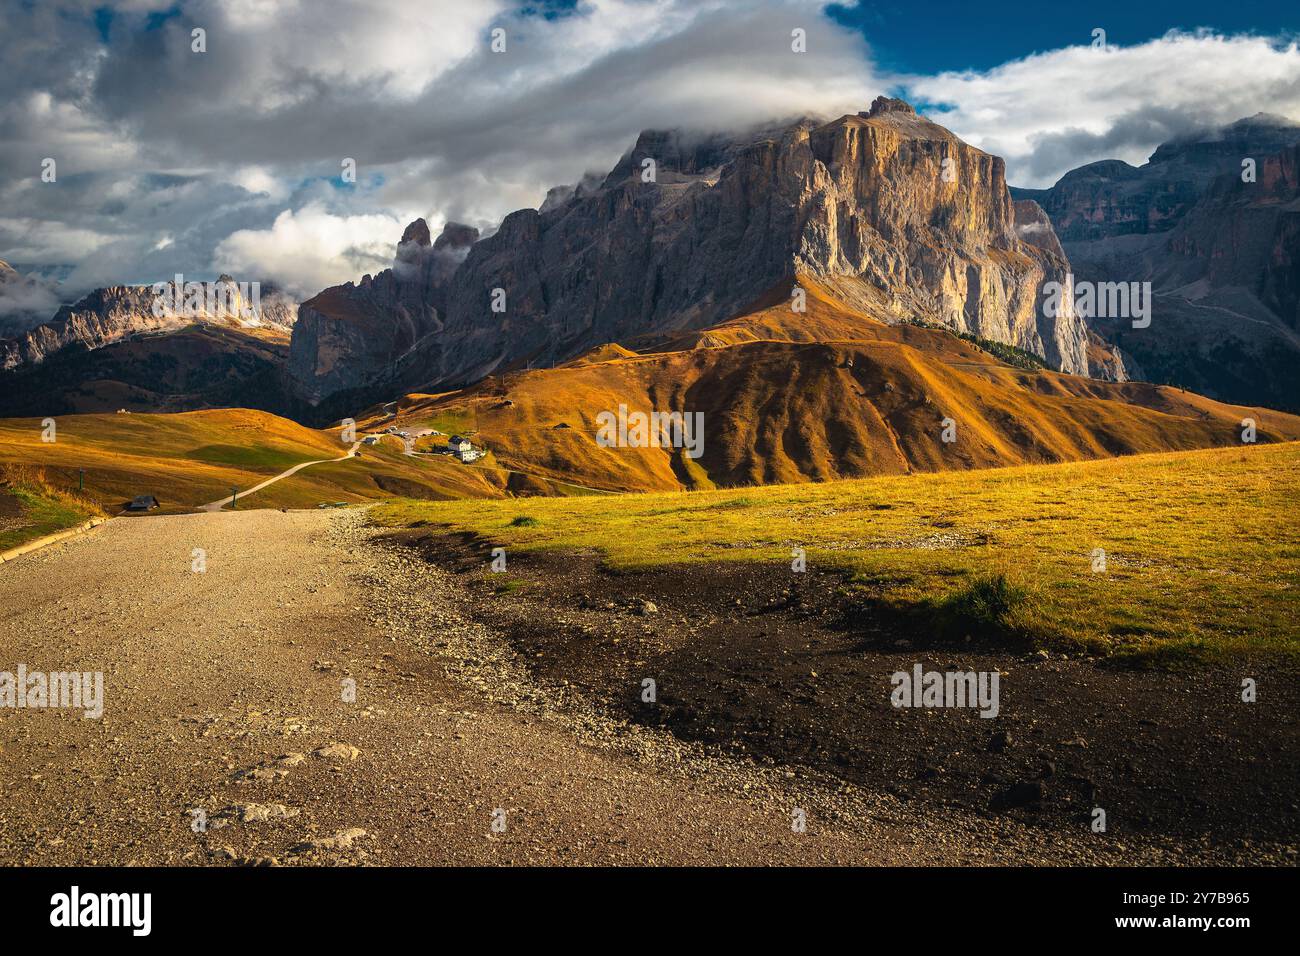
(989, 605)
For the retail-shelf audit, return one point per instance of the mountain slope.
(1222, 255)
(197, 366)
(111, 314)
(685, 233)
(863, 398)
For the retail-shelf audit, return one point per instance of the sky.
(171, 160)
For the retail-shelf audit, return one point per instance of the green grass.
(30, 508)
(252, 456)
(1202, 548)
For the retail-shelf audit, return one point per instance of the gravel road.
(229, 734)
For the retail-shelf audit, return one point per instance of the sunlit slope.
(192, 458)
(788, 411)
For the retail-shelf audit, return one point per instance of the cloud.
(25, 301)
(1051, 112)
(308, 249)
(174, 161)
(439, 124)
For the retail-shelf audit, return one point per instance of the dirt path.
(218, 505)
(224, 692)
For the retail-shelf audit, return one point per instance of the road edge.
(38, 543)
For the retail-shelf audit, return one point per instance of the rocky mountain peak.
(454, 236)
(859, 203)
(888, 104)
(417, 232)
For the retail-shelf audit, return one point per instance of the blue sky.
(930, 36)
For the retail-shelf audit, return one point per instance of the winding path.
(218, 505)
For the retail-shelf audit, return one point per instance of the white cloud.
(259, 180)
(40, 241)
(311, 248)
(1052, 112)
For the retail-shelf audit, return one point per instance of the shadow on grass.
(992, 612)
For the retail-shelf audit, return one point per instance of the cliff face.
(111, 314)
(907, 221)
(1222, 255)
(1243, 234)
(353, 336)
(1110, 198)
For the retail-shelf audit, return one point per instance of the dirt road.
(228, 734)
(218, 505)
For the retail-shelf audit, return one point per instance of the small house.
(370, 440)
(458, 444)
(142, 503)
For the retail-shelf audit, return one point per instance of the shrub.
(988, 604)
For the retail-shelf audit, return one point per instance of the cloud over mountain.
(175, 161)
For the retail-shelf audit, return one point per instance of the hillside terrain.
(194, 367)
(824, 394)
(190, 459)
(31, 507)
(1172, 582)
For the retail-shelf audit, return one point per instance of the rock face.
(903, 219)
(1110, 198)
(118, 312)
(1222, 255)
(1105, 361)
(353, 336)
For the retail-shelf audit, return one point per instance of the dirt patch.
(12, 514)
(789, 669)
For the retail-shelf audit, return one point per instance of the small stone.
(337, 751)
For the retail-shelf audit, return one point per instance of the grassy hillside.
(192, 458)
(1202, 548)
(823, 395)
(30, 507)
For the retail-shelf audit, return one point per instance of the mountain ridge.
(683, 233)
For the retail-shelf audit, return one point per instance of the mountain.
(824, 395)
(352, 336)
(904, 220)
(1219, 251)
(203, 365)
(111, 314)
(109, 351)
(1111, 198)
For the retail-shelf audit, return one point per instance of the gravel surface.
(228, 735)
